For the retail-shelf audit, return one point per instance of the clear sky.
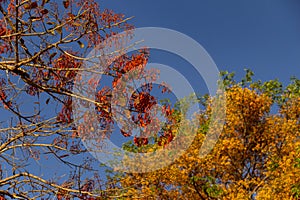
(262, 35)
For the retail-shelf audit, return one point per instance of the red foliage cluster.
(11, 9)
(103, 96)
(142, 102)
(140, 141)
(3, 95)
(126, 63)
(61, 71)
(118, 69)
(3, 29)
(167, 110)
(167, 135)
(65, 70)
(2, 92)
(95, 18)
(108, 17)
(126, 134)
(65, 115)
(4, 47)
(165, 139)
(60, 78)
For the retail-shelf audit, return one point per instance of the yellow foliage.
(257, 156)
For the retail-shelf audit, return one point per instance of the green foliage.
(296, 191)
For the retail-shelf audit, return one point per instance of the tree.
(43, 53)
(43, 48)
(256, 156)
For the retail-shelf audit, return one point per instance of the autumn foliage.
(43, 49)
(256, 156)
(43, 45)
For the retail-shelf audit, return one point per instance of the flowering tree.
(43, 47)
(43, 54)
(256, 157)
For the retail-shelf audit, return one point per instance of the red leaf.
(44, 11)
(66, 4)
(125, 134)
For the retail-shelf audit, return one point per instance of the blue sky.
(262, 35)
